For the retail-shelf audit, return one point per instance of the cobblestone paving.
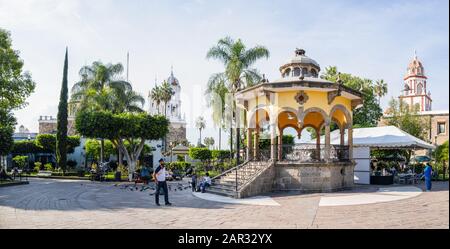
(84, 204)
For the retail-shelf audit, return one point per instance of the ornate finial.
(264, 80)
(415, 54)
(299, 51)
(171, 70)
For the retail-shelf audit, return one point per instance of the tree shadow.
(77, 195)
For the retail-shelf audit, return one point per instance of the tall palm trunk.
(165, 136)
(220, 136)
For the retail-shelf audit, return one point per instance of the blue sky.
(372, 39)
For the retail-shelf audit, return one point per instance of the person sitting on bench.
(206, 182)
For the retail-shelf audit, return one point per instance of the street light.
(435, 155)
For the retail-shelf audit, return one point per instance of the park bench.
(44, 173)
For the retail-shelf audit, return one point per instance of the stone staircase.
(225, 184)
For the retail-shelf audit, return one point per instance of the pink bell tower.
(415, 86)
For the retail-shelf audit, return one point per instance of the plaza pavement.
(83, 204)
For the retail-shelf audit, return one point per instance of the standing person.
(427, 174)
(160, 179)
(194, 181)
(145, 175)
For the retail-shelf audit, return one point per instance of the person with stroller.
(206, 182)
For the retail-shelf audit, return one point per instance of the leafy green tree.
(238, 74)
(220, 154)
(26, 147)
(21, 161)
(6, 133)
(442, 152)
(92, 148)
(401, 115)
(61, 135)
(101, 88)
(48, 143)
(15, 85)
(199, 153)
(370, 113)
(134, 128)
(404, 117)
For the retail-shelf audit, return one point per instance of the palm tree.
(167, 93)
(238, 72)
(209, 141)
(381, 89)
(200, 124)
(216, 92)
(101, 88)
(156, 96)
(97, 81)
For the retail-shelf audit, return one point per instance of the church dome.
(415, 68)
(172, 80)
(300, 65)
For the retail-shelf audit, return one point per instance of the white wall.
(361, 156)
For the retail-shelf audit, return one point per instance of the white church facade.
(173, 112)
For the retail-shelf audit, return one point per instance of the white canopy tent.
(385, 137)
(389, 137)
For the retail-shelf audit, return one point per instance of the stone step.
(223, 187)
(221, 192)
(225, 182)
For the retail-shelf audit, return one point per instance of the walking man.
(160, 179)
(427, 174)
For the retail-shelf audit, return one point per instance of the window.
(287, 72)
(313, 73)
(305, 71)
(419, 88)
(296, 71)
(441, 128)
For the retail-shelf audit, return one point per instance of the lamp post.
(435, 156)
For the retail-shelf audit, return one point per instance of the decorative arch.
(348, 116)
(297, 71)
(303, 114)
(252, 122)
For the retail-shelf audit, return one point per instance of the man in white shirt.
(160, 179)
(206, 182)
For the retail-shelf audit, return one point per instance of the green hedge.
(202, 154)
(180, 166)
(220, 154)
